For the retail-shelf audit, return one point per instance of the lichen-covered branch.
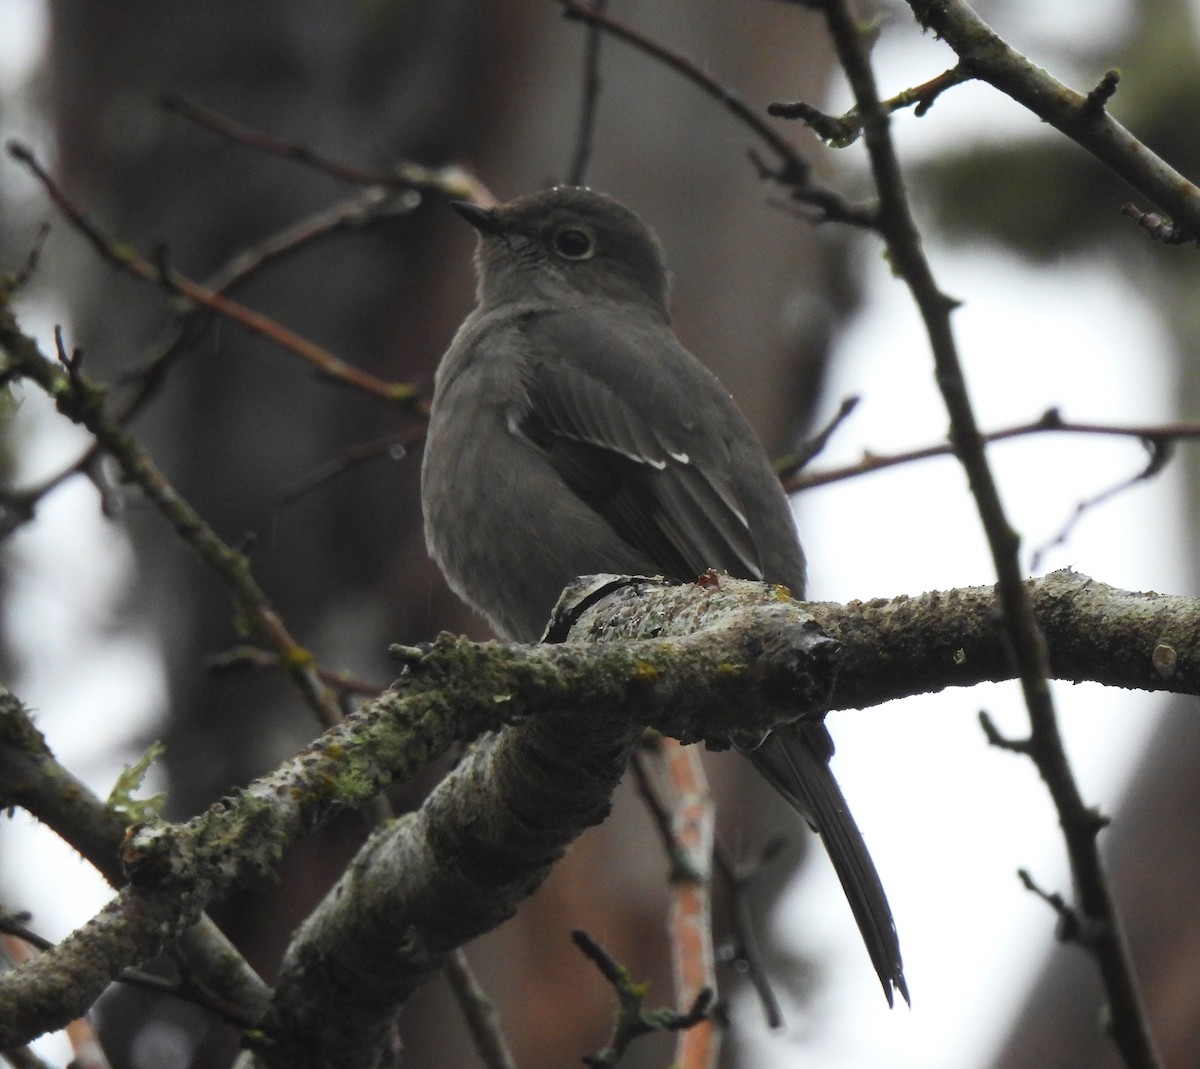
(746, 658)
(952, 638)
(489, 833)
(744, 669)
(31, 778)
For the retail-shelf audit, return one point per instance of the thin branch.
(453, 183)
(789, 466)
(632, 1019)
(372, 205)
(1082, 118)
(842, 131)
(1160, 452)
(16, 930)
(995, 737)
(745, 953)
(29, 268)
(391, 447)
(369, 207)
(1069, 928)
(1130, 1029)
(84, 402)
(123, 257)
(479, 1012)
(1157, 437)
(85, 1046)
(242, 658)
(586, 128)
(692, 958)
(788, 169)
(593, 14)
(1157, 228)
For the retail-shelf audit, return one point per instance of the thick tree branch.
(31, 777)
(757, 661)
(488, 835)
(1095, 632)
(577, 708)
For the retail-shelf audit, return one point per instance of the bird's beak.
(482, 219)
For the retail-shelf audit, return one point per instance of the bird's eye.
(573, 244)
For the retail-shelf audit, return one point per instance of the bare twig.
(371, 206)
(632, 1019)
(15, 926)
(842, 131)
(1160, 452)
(1157, 438)
(1157, 228)
(789, 467)
(1069, 929)
(17, 281)
(479, 1012)
(590, 102)
(1028, 646)
(788, 169)
(123, 257)
(453, 183)
(84, 402)
(997, 738)
(594, 15)
(1082, 118)
(390, 447)
(746, 952)
(241, 658)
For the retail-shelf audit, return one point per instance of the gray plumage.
(571, 433)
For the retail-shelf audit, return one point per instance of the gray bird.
(571, 434)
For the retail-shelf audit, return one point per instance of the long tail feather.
(796, 764)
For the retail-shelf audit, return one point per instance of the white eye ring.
(573, 243)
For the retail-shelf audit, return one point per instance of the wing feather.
(664, 482)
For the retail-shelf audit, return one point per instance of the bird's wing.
(668, 485)
(664, 482)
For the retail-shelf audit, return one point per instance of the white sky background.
(949, 820)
